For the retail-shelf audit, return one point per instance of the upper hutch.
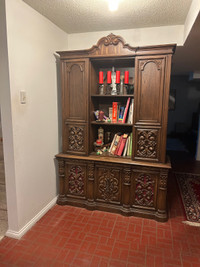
(135, 185)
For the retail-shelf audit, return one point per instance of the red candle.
(101, 77)
(126, 77)
(108, 76)
(98, 141)
(117, 76)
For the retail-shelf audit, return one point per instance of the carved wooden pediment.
(113, 45)
(110, 45)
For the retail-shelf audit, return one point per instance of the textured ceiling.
(76, 16)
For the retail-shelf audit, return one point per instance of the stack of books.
(123, 114)
(121, 145)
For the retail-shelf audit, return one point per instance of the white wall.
(32, 42)
(134, 37)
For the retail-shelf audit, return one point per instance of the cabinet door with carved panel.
(108, 184)
(76, 141)
(146, 143)
(76, 173)
(151, 102)
(144, 189)
(75, 105)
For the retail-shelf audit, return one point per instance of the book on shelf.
(125, 148)
(121, 114)
(112, 142)
(110, 113)
(114, 111)
(112, 151)
(118, 145)
(128, 146)
(131, 139)
(130, 114)
(122, 144)
(126, 110)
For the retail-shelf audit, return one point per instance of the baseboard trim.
(19, 234)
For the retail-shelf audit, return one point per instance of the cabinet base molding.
(160, 217)
(126, 188)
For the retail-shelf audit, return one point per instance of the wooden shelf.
(109, 155)
(116, 159)
(113, 96)
(111, 123)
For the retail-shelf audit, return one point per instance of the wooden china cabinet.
(135, 185)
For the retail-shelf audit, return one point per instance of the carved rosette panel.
(91, 172)
(144, 190)
(147, 141)
(76, 180)
(76, 138)
(108, 186)
(163, 180)
(127, 176)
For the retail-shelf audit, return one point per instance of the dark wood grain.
(132, 186)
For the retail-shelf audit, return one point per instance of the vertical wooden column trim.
(165, 107)
(126, 188)
(90, 184)
(162, 194)
(62, 180)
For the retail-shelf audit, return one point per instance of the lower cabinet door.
(76, 179)
(108, 184)
(144, 189)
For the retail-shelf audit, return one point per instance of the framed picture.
(172, 99)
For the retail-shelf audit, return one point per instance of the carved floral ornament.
(127, 176)
(147, 143)
(76, 138)
(144, 191)
(163, 180)
(91, 172)
(108, 185)
(76, 180)
(111, 39)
